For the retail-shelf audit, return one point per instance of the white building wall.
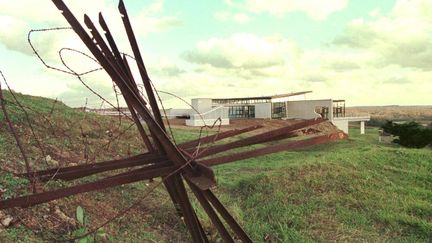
(202, 104)
(206, 122)
(305, 109)
(342, 124)
(210, 117)
(263, 110)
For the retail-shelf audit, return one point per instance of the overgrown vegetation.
(356, 190)
(82, 233)
(11, 186)
(410, 134)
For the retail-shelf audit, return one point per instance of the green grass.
(352, 190)
(61, 129)
(355, 190)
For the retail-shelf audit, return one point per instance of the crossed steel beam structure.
(175, 164)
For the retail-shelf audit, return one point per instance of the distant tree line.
(410, 134)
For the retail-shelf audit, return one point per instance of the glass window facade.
(339, 108)
(323, 111)
(278, 110)
(247, 111)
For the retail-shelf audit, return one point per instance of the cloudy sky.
(368, 52)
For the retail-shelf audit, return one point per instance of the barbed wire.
(69, 71)
(16, 137)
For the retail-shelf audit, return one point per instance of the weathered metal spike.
(261, 138)
(198, 174)
(191, 220)
(227, 216)
(43, 197)
(51, 172)
(216, 137)
(141, 67)
(211, 213)
(120, 64)
(273, 149)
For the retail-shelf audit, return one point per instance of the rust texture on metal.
(162, 158)
(274, 149)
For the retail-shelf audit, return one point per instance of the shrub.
(411, 134)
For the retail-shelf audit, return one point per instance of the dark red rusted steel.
(216, 137)
(78, 171)
(273, 149)
(188, 214)
(137, 102)
(72, 175)
(171, 162)
(227, 216)
(171, 150)
(38, 198)
(211, 213)
(136, 160)
(190, 217)
(140, 63)
(260, 138)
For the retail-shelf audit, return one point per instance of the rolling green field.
(355, 190)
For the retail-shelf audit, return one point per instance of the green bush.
(411, 134)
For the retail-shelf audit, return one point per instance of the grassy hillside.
(67, 135)
(354, 190)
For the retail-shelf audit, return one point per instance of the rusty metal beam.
(216, 137)
(146, 158)
(72, 175)
(43, 197)
(141, 159)
(141, 67)
(171, 162)
(261, 138)
(273, 149)
(75, 172)
(211, 213)
(227, 216)
(171, 150)
(190, 218)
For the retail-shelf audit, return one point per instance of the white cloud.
(12, 33)
(18, 17)
(403, 37)
(382, 60)
(240, 51)
(316, 9)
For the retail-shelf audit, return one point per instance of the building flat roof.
(266, 97)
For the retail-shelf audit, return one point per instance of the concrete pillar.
(362, 127)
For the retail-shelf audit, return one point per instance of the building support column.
(362, 127)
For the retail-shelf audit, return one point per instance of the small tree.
(411, 134)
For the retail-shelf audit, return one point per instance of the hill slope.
(354, 190)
